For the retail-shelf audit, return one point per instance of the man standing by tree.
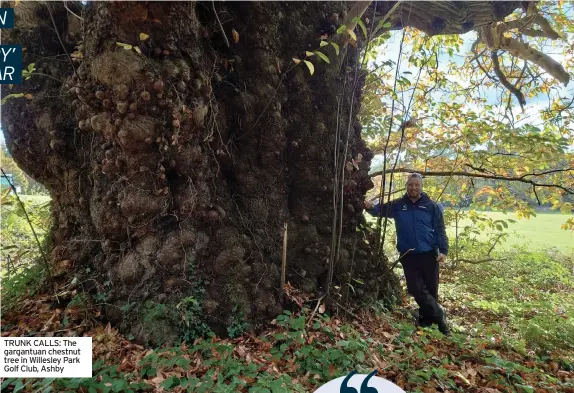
(422, 244)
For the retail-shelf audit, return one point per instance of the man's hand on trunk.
(441, 257)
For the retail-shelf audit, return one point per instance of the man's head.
(414, 185)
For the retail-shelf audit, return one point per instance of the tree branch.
(446, 17)
(494, 38)
(494, 243)
(356, 11)
(533, 33)
(520, 179)
(220, 25)
(547, 172)
(473, 262)
(546, 28)
(513, 89)
(536, 195)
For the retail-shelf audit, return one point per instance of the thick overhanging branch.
(521, 179)
(496, 37)
(446, 17)
(524, 26)
(525, 52)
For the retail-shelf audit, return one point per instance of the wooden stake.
(283, 263)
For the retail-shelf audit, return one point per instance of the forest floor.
(513, 331)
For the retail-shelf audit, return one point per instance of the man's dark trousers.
(422, 275)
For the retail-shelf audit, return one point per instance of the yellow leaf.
(143, 36)
(138, 50)
(352, 34)
(28, 96)
(336, 48)
(309, 54)
(235, 36)
(297, 61)
(310, 66)
(125, 46)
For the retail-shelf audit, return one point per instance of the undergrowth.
(527, 297)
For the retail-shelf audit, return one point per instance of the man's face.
(414, 187)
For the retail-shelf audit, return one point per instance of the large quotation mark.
(364, 387)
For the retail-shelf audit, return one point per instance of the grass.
(538, 233)
(35, 199)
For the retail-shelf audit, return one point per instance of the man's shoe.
(424, 322)
(442, 324)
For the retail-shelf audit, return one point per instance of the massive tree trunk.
(174, 170)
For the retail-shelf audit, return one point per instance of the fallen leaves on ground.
(412, 359)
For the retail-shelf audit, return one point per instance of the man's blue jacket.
(419, 225)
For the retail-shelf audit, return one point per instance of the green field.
(34, 199)
(537, 233)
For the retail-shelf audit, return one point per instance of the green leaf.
(119, 385)
(323, 57)
(323, 43)
(19, 385)
(383, 24)
(336, 48)
(361, 25)
(341, 29)
(6, 382)
(526, 388)
(17, 95)
(182, 362)
(310, 66)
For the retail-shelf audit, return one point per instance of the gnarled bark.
(174, 170)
